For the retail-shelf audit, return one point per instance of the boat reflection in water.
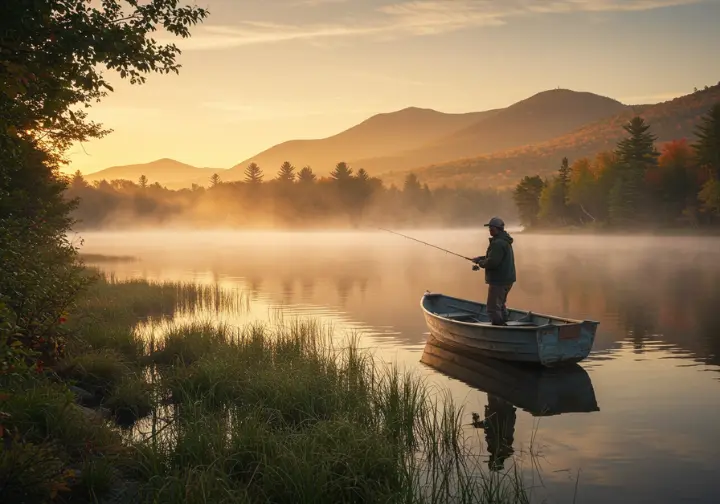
(537, 390)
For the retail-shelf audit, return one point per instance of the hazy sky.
(259, 72)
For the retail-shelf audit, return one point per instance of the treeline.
(291, 199)
(633, 184)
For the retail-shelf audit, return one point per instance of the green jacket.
(499, 262)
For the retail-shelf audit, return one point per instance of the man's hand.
(479, 262)
(477, 259)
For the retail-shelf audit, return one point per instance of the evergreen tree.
(675, 182)
(564, 180)
(584, 192)
(527, 199)
(628, 199)
(362, 175)
(707, 146)
(625, 198)
(78, 181)
(552, 203)
(306, 175)
(342, 172)
(143, 181)
(412, 184)
(253, 174)
(286, 173)
(214, 180)
(638, 149)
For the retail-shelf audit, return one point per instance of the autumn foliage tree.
(634, 184)
(707, 150)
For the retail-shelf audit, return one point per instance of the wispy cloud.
(232, 111)
(411, 17)
(316, 3)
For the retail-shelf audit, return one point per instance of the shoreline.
(673, 232)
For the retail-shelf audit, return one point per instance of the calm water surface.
(655, 366)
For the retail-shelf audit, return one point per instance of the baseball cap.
(496, 222)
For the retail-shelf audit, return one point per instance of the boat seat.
(453, 315)
(519, 323)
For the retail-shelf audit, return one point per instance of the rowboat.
(528, 337)
(537, 390)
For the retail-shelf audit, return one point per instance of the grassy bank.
(202, 412)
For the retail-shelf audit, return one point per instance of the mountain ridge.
(541, 117)
(501, 166)
(382, 134)
(166, 171)
(669, 120)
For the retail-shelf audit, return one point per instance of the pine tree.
(342, 172)
(214, 180)
(707, 146)
(78, 181)
(286, 173)
(552, 203)
(143, 181)
(527, 198)
(412, 184)
(253, 174)
(625, 197)
(638, 150)
(628, 198)
(362, 175)
(564, 179)
(306, 175)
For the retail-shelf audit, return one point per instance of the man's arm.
(494, 257)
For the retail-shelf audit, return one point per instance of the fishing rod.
(428, 244)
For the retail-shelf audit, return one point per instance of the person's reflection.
(288, 291)
(308, 288)
(343, 284)
(499, 427)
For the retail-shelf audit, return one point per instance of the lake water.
(654, 369)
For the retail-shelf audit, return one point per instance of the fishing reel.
(476, 266)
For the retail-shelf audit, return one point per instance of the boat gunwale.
(498, 327)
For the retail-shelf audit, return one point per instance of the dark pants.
(497, 303)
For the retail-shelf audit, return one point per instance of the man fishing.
(499, 265)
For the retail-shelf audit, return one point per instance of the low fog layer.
(639, 287)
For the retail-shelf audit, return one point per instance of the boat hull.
(530, 338)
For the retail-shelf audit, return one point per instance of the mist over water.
(655, 366)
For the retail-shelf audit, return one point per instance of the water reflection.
(499, 427)
(537, 390)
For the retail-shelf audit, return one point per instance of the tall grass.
(263, 413)
(281, 414)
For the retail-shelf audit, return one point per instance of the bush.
(31, 473)
(130, 400)
(97, 371)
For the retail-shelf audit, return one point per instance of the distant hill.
(541, 117)
(167, 172)
(671, 120)
(380, 135)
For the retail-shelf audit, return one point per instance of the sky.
(260, 72)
